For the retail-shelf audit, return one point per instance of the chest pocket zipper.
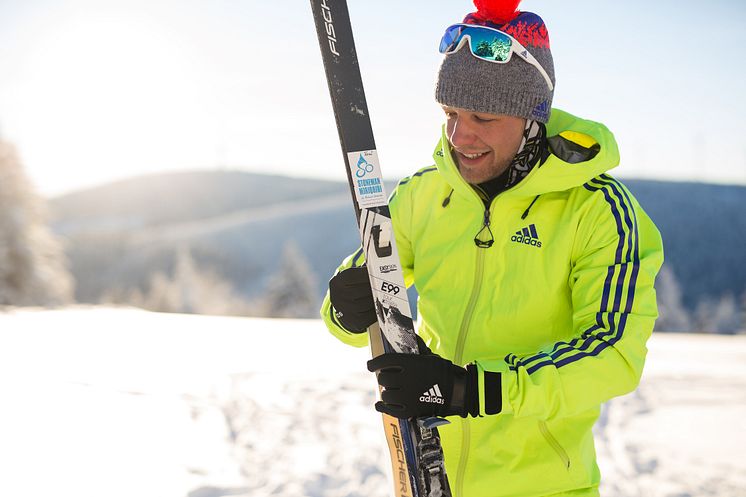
(554, 444)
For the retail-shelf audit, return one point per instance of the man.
(534, 269)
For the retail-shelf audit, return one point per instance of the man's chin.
(471, 176)
(475, 176)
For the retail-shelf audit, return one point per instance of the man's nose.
(460, 133)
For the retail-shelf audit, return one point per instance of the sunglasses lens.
(450, 39)
(485, 43)
(488, 44)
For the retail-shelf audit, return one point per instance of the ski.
(414, 444)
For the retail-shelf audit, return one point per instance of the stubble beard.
(475, 176)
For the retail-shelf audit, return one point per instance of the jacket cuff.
(492, 391)
(493, 399)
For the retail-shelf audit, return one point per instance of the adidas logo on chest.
(527, 236)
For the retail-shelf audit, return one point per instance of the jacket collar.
(560, 172)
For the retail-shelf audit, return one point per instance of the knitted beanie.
(516, 88)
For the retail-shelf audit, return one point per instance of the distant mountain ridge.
(160, 199)
(237, 223)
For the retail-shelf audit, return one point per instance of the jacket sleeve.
(401, 222)
(617, 254)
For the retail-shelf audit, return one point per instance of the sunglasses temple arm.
(532, 60)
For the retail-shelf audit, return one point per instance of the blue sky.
(97, 90)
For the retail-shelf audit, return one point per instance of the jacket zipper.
(485, 244)
(457, 359)
(465, 443)
(555, 444)
(463, 331)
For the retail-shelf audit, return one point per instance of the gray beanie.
(516, 88)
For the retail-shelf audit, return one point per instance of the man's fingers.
(392, 361)
(390, 379)
(354, 276)
(391, 410)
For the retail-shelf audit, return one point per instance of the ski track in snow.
(121, 402)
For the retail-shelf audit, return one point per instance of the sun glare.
(111, 91)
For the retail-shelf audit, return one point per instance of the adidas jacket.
(561, 304)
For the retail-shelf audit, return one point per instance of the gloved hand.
(425, 384)
(352, 299)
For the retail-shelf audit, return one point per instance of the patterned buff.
(533, 150)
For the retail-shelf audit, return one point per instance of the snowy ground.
(121, 402)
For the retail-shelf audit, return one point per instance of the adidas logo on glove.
(433, 396)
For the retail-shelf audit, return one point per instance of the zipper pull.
(447, 200)
(485, 243)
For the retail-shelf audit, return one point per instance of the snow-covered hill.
(121, 402)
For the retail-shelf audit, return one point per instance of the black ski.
(414, 444)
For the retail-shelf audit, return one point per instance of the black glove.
(425, 384)
(352, 299)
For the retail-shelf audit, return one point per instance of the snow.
(682, 432)
(123, 402)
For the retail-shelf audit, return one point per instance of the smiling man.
(534, 269)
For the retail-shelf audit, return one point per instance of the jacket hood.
(580, 150)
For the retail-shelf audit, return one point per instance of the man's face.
(483, 144)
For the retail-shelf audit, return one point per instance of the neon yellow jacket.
(561, 304)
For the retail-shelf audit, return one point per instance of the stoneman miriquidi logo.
(527, 236)
(367, 186)
(367, 178)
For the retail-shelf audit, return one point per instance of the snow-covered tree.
(32, 263)
(672, 316)
(719, 316)
(189, 289)
(291, 292)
